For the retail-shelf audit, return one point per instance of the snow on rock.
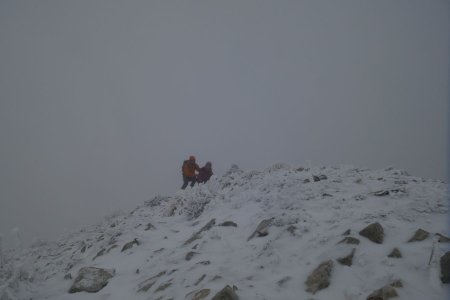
(296, 217)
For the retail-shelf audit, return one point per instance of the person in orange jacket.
(205, 173)
(188, 171)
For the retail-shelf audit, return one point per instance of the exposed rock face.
(347, 260)
(130, 245)
(384, 293)
(228, 224)
(419, 236)
(395, 253)
(227, 293)
(91, 279)
(373, 232)
(445, 268)
(197, 235)
(320, 277)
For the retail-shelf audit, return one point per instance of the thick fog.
(101, 101)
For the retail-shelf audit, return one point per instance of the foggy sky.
(101, 101)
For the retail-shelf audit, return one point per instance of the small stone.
(200, 279)
(190, 255)
(395, 253)
(198, 295)
(373, 232)
(419, 236)
(163, 286)
(291, 229)
(137, 271)
(228, 224)
(347, 232)
(306, 180)
(397, 283)
(443, 238)
(227, 293)
(350, 240)
(129, 245)
(347, 260)
(147, 284)
(283, 280)
(149, 226)
(381, 193)
(68, 276)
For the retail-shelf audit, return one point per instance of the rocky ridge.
(280, 233)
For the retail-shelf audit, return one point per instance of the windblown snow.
(262, 233)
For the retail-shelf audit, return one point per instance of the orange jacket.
(189, 168)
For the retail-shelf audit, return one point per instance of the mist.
(101, 101)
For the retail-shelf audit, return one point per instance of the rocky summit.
(285, 232)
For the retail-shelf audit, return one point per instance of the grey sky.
(100, 101)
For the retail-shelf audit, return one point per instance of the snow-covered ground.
(307, 221)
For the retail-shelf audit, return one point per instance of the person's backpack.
(187, 169)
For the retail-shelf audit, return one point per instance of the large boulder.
(373, 232)
(91, 280)
(320, 277)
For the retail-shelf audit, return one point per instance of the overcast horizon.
(101, 101)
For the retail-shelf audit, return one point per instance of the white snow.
(272, 267)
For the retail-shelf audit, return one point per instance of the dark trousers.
(186, 180)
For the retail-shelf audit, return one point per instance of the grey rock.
(228, 224)
(149, 226)
(197, 235)
(200, 279)
(347, 232)
(100, 253)
(261, 229)
(320, 277)
(445, 267)
(347, 260)
(443, 238)
(130, 245)
(419, 236)
(68, 276)
(350, 240)
(291, 229)
(147, 284)
(227, 293)
(283, 280)
(373, 232)
(91, 280)
(381, 193)
(319, 177)
(384, 293)
(306, 180)
(395, 253)
(190, 255)
(163, 286)
(198, 295)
